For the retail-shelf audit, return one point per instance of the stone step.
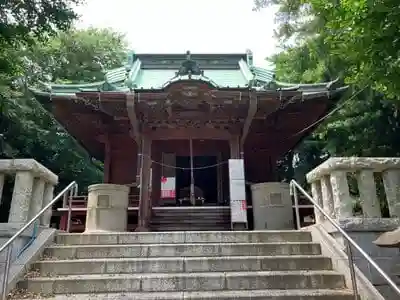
(184, 237)
(181, 250)
(176, 265)
(269, 294)
(158, 282)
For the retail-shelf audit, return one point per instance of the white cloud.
(174, 26)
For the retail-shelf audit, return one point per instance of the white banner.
(168, 187)
(236, 169)
(239, 211)
(237, 190)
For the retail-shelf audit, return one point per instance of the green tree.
(77, 56)
(22, 23)
(318, 46)
(362, 35)
(28, 130)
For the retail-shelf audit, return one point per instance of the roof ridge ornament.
(189, 67)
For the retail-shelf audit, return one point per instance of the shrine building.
(166, 126)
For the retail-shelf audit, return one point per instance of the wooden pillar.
(220, 190)
(145, 201)
(234, 144)
(157, 174)
(107, 160)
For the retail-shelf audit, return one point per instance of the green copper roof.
(157, 71)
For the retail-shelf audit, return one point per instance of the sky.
(175, 26)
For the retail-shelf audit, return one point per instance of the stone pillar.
(1, 185)
(107, 208)
(317, 196)
(391, 181)
(341, 196)
(327, 197)
(144, 202)
(48, 196)
(367, 188)
(21, 198)
(37, 197)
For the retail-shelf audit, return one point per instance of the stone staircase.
(280, 265)
(188, 218)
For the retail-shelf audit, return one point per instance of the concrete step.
(179, 264)
(159, 282)
(269, 294)
(180, 250)
(184, 237)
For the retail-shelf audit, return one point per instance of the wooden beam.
(130, 106)
(253, 106)
(185, 133)
(234, 147)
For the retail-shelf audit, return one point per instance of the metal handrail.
(294, 186)
(72, 188)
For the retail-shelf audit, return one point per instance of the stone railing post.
(48, 195)
(327, 198)
(368, 194)
(33, 186)
(391, 181)
(317, 196)
(21, 198)
(37, 197)
(343, 206)
(336, 198)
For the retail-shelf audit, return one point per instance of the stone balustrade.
(330, 188)
(33, 189)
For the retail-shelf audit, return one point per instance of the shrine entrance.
(205, 180)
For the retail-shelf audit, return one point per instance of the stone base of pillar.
(107, 208)
(272, 206)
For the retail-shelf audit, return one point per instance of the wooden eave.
(83, 122)
(287, 127)
(281, 114)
